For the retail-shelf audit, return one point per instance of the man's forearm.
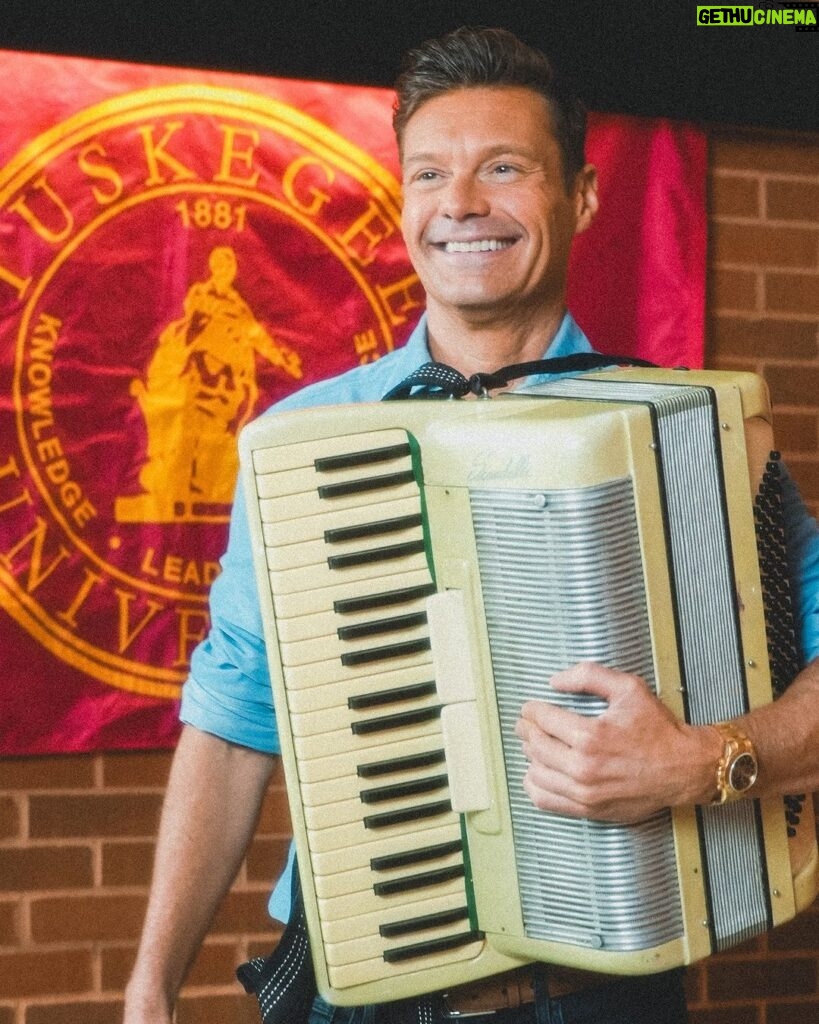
(786, 736)
(211, 808)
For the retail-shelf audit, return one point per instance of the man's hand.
(622, 765)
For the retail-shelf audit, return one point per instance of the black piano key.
(353, 658)
(394, 956)
(368, 602)
(410, 762)
(406, 814)
(423, 923)
(404, 858)
(374, 529)
(410, 787)
(386, 554)
(365, 484)
(331, 463)
(413, 691)
(378, 626)
(424, 880)
(400, 720)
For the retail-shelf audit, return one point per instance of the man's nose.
(464, 196)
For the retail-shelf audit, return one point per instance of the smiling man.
(496, 187)
(491, 205)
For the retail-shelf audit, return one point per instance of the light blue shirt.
(228, 692)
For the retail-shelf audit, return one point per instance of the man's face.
(487, 219)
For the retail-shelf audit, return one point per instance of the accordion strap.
(437, 380)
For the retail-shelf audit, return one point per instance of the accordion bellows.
(424, 567)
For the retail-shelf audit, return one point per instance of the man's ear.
(586, 198)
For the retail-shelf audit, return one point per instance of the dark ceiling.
(646, 58)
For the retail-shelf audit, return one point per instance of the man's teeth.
(484, 245)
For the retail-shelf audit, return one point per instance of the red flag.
(637, 276)
(179, 249)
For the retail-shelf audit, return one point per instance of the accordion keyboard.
(349, 578)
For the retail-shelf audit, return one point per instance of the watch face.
(742, 773)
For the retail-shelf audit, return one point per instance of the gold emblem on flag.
(198, 392)
(173, 260)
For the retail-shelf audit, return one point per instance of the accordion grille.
(562, 579)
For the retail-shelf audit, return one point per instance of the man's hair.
(473, 57)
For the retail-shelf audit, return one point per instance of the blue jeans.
(655, 999)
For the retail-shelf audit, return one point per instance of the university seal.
(173, 260)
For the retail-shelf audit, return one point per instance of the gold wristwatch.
(738, 768)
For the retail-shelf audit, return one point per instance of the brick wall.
(763, 299)
(77, 833)
(763, 315)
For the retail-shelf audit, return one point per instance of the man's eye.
(426, 176)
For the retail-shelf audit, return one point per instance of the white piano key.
(322, 599)
(362, 925)
(281, 458)
(338, 694)
(354, 858)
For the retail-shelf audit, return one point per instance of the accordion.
(424, 567)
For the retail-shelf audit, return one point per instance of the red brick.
(127, 863)
(802, 1012)
(761, 978)
(103, 1012)
(760, 245)
(762, 337)
(792, 293)
(46, 867)
(758, 151)
(125, 814)
(806, 475)
(9, 818)
(732, 363)
(44, 973)
(87, 918)
(236, 1009)
(215, 965)
(264, 947)
(745, 1014)
(116, 964)
(32, 773)
(9, 923)
(792, 200)
(274, 819)
(733, 195)
(792, 384)
(7, 1015)
(138, 769)
(243, 912)
(796, 432)
(734, 289)
(266, 859)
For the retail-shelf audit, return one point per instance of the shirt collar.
(568, 340)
